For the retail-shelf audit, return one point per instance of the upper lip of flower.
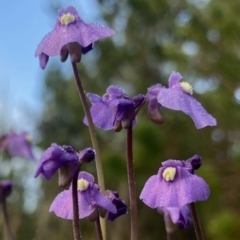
(178, 97)
(70, 28)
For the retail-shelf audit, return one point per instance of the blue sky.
(23, 24)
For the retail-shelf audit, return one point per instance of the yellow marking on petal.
(82, 184)
(186, 87)
(169, 173)
(67, 18)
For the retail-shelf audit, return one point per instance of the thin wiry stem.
(92, 132)
(98, 229)
(131, 185)
(76, 227)
(196, 222)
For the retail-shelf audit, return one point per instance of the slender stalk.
(169, 236)
(76, 227)
(196, 222)
(131, 185)
(98, 229)
(92, 132)
(169, 226)
(6, 220)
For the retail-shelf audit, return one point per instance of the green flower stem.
(131, 185)
(196, 223)
(98, 229)
(99, 168)
(76, 227)
(6, 220)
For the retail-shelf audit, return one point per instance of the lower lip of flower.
(169, 173)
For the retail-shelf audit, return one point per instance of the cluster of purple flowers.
(67, 161)
(174, 187)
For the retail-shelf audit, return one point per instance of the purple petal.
(150, 192)
(87, 176)
(62, 205)
(77, 31)
(87, 155)
(93, 98)
(102, 115)
(54, 158)
(176, 99)
(185, 188)
(113, 90)
(105, 203)
(174, 79)
(125, 109)
(119, 203)
(86, 205)
(178, 215)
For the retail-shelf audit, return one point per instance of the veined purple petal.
(176, 99)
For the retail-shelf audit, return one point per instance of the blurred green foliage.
(198, 38)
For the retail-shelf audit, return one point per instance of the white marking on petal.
(67, 18)
(186, 87)
(169, 173)
(82, 184)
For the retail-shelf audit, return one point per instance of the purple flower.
(17, 145)
(178, 96)
(70, 36)
(114, 109)
(121, 206)
(57, 157)
(178, 216)
(174, 186)
(89, 199)
(5, 189)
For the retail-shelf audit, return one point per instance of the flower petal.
(174, 79)
(102, 115)
(77, 31)
(185, 188)
(150, 192)
(62, 205)
(176, 99)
